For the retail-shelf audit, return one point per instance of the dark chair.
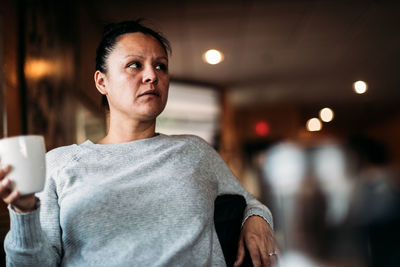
(228, 216)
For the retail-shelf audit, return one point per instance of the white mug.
(27, 157)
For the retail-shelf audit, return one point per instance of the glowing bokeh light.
(38, 68)
(360, 87)
(314, 125)
(262, 128)
(213, 56)
(326, 114)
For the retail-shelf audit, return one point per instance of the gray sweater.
(143, 203)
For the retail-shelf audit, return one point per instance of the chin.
(154, 111)
(152, 115)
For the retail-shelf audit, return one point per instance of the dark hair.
(113, 30)
(110, 34)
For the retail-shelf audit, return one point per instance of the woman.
(136, 198)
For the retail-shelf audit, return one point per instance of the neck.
(127, 131)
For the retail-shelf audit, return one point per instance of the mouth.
(150, 92)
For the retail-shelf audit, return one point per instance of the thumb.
(240, 253)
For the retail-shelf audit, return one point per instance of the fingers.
(262, 255)
(12, 197)
(252, 247)
(3, 171)
(265, 258)
(20, 203)
(270, 258)
(274, 259)
(270, 253)
(6, 193)
(4, 188)
(270, 249)
(9, 196)
(262, 247)
(240, 253)
(4, 182)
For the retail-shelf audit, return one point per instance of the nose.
(149, 75)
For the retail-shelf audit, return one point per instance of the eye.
(161, 66)
(135, 65)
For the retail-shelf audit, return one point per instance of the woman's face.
(137, 80)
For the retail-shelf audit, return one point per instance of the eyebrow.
(139, 56)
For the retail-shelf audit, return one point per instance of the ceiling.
(279, 52)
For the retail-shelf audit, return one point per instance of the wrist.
(30, 208)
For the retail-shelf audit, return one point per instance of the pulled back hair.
(110, 34)
(113, 30)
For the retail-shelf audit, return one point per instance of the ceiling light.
(314, 125)
(213, 56)
(326, 114)
(360, 87)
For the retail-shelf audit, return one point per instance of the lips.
(150, 92)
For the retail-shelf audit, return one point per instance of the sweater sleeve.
(34, 238)
(229, 184)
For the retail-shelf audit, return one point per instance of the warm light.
(360, 87)
(326, 114)
(37, 68)
(314, 125)
(213, 56)
(262, 128)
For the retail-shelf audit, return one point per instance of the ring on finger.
(273, 253)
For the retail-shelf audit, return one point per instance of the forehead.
(139, 43)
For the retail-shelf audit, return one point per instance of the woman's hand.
(258, 237)
(13, 197)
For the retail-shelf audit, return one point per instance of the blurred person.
(323, 240)
(312, 194)
(310, 218)
(283, 170)
(331, 169)
(376, 206)
(136, 197)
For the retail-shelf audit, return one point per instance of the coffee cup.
(27, 157)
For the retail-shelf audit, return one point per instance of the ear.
(100, 81)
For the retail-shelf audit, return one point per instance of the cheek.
(165, 94)
(165, 84)
(125, 85)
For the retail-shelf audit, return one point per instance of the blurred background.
(282, 107)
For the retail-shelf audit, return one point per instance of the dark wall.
(47, 46)
(39, 44)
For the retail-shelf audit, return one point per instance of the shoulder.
(195, 145)
(191, 140)
(61, 156)
(63, 151)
